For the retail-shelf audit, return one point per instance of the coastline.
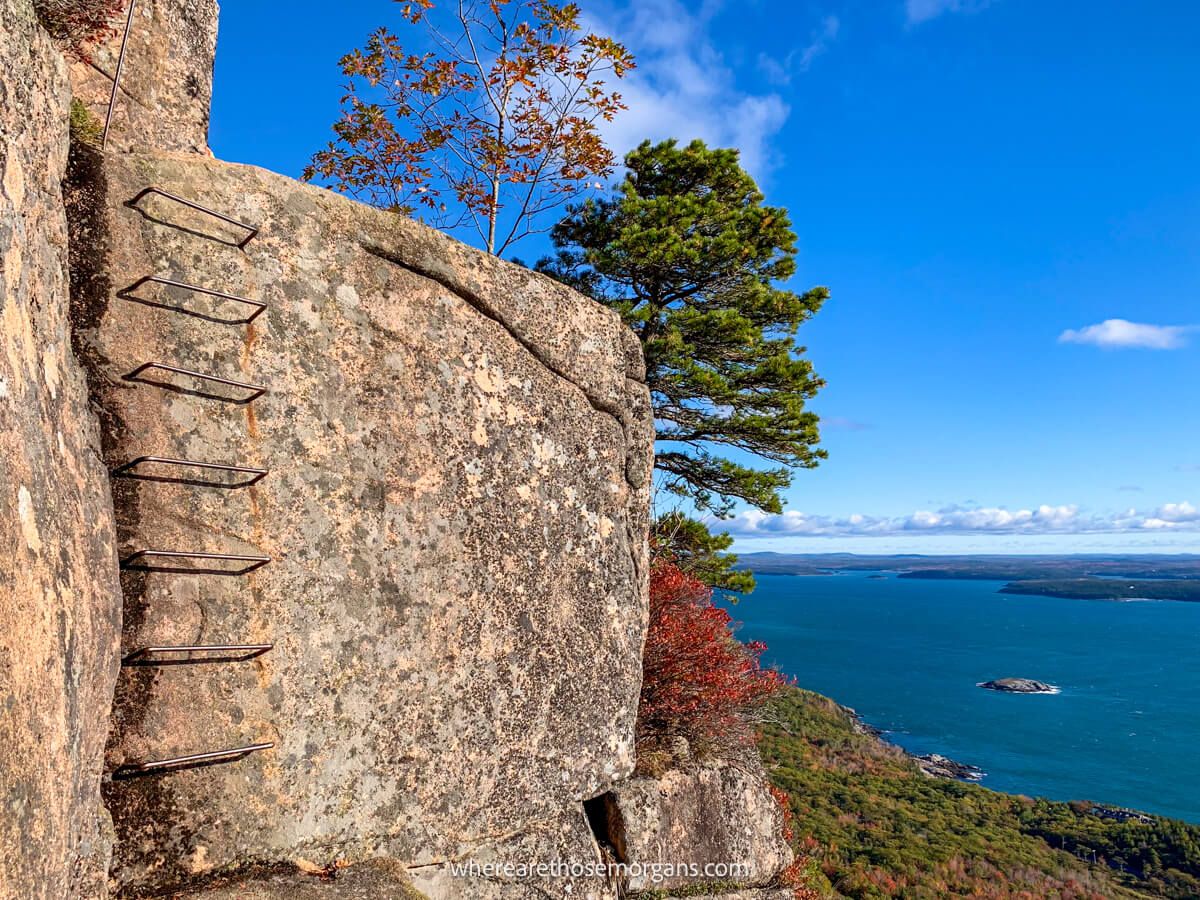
(932, 765)
(909, 653)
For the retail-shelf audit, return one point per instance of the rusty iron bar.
(247, 651)
(130, 769)
(257, 390)
(251, 229)
(112, 100)
(127, 294)
(256, 562)
(127, 470)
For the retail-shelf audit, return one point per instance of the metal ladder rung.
(132, 562)
(252, 229)
(245, 653)
(129, 770)
(112, 99)
(128, 294)
(128, 471)
(257, 390)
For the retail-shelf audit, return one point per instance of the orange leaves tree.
(698, 681)
(491, 123)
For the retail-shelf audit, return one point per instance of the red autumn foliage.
(698, 681)
(76, 23)
(795, 876)
(785, 806)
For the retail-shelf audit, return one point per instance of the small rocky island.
(1019, 686)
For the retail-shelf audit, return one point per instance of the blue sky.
(1004, 199)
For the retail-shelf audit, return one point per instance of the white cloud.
(1115, 333)
(842, 423)
(1178, 513)
(917, 11)
(956, 520)
(779, 71)
(682, 87)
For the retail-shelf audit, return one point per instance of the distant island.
(1106, 589)
(1092, 577)
(1018, 686)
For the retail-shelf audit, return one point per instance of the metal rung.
(127, 471)
(130, 770)
(257, 390)
(131, 562)
(252, 229)
(112, 99)
(128, 294)
(244, 653)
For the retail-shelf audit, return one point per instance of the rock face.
(455, 512)
(453, 523)
(1019, 686)
(714, 816)
(59, 597)
(166, 82)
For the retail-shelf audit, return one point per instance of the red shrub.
(785, 806)
(75, 23)
(804, 868)
(698, 681)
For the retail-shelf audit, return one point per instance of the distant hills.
(1090, 577)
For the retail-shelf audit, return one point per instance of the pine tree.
(691, 257)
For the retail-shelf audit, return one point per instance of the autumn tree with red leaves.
(491, 127)
(699, 682)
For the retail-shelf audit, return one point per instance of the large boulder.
(716, 824)
(456, 514)
(60, 601)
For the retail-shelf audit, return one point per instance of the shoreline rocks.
(937, 766)
(934, 765)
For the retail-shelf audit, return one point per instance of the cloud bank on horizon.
(1121, 333)
(1045, 519)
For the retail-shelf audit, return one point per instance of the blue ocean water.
(907, 654)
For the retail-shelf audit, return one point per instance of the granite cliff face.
(166, 82)
(59, 599)
(443, 570)
(710, 814)
(455, 512)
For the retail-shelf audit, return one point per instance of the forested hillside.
(869, 824)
